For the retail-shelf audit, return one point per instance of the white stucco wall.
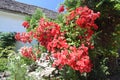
(11, 22)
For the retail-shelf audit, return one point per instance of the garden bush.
(7, 39)
(3, 64)
(7, 44)
(17, 68)
(81, 43)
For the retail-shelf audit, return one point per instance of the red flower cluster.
(24, 37)
(46, 32)
(25, 24)
(60, 58)
(84, 18)
(57, 44)
(61, 9)
(28, 53)
(77, 59)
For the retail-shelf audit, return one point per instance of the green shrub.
(7, 43)
(3, 64)
(17, 68)
(7, 39)
(4, 52)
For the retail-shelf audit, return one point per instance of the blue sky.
(49, 4)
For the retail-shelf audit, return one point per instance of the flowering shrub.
(69, 43)
(77, 59)
(24, 37)
(28, 53)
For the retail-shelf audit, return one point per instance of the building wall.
(12, 22)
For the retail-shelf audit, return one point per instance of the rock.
(4, 75)
(44, 69)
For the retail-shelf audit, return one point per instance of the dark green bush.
(7, 43)
(7, 39)
(108, 41)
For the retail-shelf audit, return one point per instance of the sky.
(49, 4)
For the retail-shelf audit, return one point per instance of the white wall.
(11, 22)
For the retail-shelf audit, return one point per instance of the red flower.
(61, 9)
(25, 24)
(71, 16)
(24, 37)
(17, 36)
(76, 58)
(81, 22)
(28, 53)
(46, 32)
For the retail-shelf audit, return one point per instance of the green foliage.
(116, 38)
(7, 43)
(7, 39)
(108, 24)
(72, 4)
(3, 64)
(17, 68)
(34, 19)
(107, 41)
(4, 52)
(68, 73)
(72, 34)
(100, 69)
(27, 61)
